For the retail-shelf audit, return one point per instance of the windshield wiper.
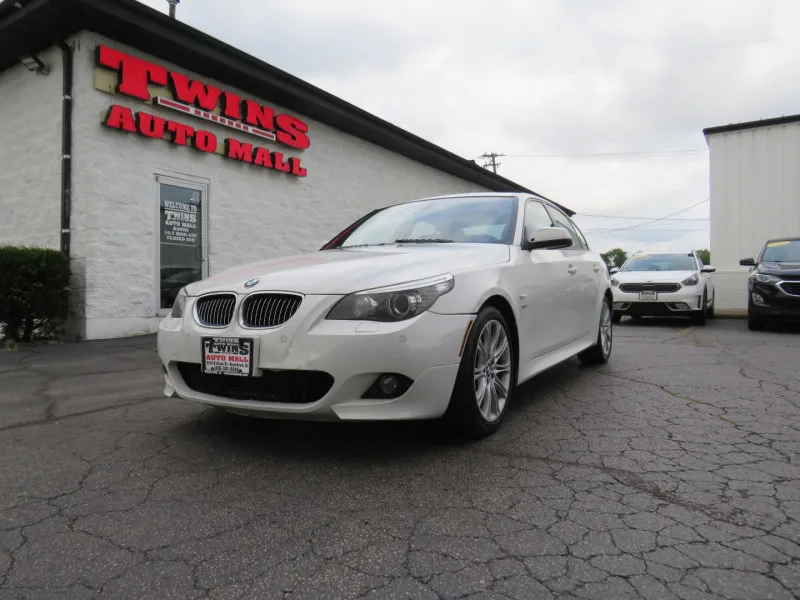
(423, 241)
(364, 245)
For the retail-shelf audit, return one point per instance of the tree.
(615, 257)
(705, 256)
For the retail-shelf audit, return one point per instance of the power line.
(648, 230)
(640, 218)
(664, 218)
(644, 153)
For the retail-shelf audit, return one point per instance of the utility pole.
(491, 158)
(172, 4)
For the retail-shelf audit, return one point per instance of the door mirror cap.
(548, 238)
(613, 270)
(708, 269)
(747, 262)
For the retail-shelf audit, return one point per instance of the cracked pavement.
(673, 472)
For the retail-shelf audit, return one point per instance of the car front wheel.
(486, 378)
(601, 351)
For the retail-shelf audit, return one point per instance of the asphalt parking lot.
(672, 472)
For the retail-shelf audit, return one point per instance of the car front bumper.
(318, 369)
(681, 302)
(769, 301)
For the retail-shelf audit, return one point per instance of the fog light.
(618, 304)
(681, 305)
(758, 299)
(388, 385)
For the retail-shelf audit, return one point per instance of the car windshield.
(783, 251)
(470, 220)
(677, 261)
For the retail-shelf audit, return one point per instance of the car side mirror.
(747, 262)
(548, 238)
(613, 270)
(708, 269)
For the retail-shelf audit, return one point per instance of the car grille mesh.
(791, 287)
(664, 288)
(269, 310)
(215, 310)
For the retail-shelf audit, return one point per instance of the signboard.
(174, 92)
(180, 222)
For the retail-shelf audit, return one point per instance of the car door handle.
(572, 270)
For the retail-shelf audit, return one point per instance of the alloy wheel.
(492, 370)
(605, 329)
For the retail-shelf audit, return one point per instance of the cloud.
(533, 77)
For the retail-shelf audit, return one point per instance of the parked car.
(434, 308)
(664, 284)
(773, 287)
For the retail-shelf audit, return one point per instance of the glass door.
(182, 232)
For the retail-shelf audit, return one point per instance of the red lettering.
(279, 164)
(231, 106)
(259, 116)
(181, 133)
(297, 168)
(292, 132)
(120, 117)
(150, 125)
(194, 92)
(205, 141)
(134, 73)
(262, 158)
(238, 151)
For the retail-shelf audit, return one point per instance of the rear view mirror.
(548, 238)
(613, 270)
(708, 269)
(747, 262)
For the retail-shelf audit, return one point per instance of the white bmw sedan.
(667, 284)
(435, 308)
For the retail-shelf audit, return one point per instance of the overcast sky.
(563, 80)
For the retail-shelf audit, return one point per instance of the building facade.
(755, 196)
(156, 155)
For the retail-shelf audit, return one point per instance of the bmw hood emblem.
(250, 283)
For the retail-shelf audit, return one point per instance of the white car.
(433, 308)
(664, 284)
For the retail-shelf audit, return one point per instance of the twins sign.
(137, 78)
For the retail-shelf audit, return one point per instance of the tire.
(710, 311)
(600, 352)
(755, 323)
(616, 318)
(464, 414)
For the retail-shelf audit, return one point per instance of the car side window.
(561, 220)
(536, 216)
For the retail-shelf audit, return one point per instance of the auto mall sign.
(137, 78)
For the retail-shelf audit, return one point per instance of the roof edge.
(752, 124)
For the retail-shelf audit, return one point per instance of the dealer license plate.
(648, 296)
(228, 356)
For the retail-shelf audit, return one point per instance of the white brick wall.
(30, 147)
(253, 213)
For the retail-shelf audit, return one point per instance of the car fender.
(472, 289)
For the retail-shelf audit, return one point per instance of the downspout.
(66, 145)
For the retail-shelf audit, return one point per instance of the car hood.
(779, 269)
(344, 271)
(652, 276)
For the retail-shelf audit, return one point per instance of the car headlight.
(770, 279)
(179, 304)
(691, 280)
(394, 303)
(614, 282)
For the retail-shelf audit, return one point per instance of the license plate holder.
(232, 356)
(648, 296)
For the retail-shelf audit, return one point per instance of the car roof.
(520, 195)
(782, 239)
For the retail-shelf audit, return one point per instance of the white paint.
(30, 163)
(254, 213)
(755, 195)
